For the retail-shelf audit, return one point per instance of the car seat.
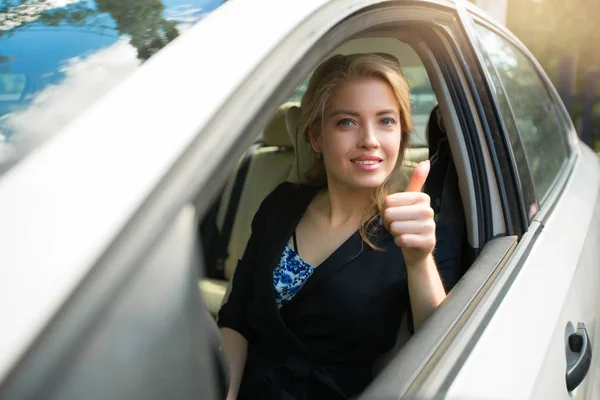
(227, 226)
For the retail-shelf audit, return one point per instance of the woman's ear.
(313, 136)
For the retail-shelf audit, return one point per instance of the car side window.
(521, 92)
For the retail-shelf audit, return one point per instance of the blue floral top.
(290, 275)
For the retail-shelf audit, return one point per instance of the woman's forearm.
(425, 289)
(236, 351)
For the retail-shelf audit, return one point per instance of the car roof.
(62, 206)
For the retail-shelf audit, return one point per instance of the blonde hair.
(326, 78)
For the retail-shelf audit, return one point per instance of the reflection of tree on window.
(18, 14)
(142, 20)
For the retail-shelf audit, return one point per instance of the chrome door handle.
(577, 367)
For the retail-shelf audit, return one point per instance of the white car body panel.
(510, 360)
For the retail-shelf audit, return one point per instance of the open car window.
(458, 117)
(263, 175)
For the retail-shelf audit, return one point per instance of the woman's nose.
(369, 138)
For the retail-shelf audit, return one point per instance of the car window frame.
(523, 176)
(498, 250)
(523, 179)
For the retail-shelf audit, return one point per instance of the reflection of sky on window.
(84, 80)
(39, 49)
(183, 11)
(69, 66)
(500, 54)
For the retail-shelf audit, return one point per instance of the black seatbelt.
(222, 245)
(209, 236)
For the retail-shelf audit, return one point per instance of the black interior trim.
(469, 129)
(507, 201)
(208, 232)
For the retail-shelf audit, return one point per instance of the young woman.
(331, 267)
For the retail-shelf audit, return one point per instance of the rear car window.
(541, 131)
(57, 57)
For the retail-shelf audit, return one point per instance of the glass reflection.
(59, 56)
(524, 96)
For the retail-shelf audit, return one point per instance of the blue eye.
(388, 121)
(345, 122)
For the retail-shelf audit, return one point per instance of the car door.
(539, 339)
(511, 340)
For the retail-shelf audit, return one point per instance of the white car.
(125, 185)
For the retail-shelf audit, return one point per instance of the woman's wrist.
(422, 265)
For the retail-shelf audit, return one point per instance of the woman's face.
(360, 137)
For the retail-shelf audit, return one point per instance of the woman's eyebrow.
(346, 112)
(390, 111)
(356, 113)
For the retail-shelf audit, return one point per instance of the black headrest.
(435, 126)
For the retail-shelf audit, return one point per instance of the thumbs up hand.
(408, 216)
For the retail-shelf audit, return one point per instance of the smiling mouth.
(366, 162)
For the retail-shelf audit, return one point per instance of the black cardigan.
(324, 342)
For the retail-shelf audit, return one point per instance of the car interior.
(279, 155)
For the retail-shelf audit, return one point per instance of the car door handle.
(577, 367)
